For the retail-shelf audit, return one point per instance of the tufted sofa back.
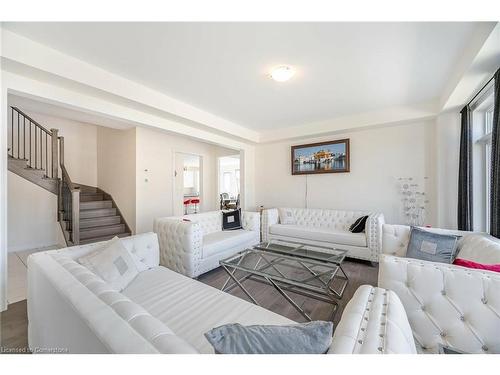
(446, 304)
(144, 245)
(323, 218)
(70, 307)
(395, 238)
(209, 222)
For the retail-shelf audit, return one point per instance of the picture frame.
(322, 157)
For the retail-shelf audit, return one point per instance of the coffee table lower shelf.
(316, 280)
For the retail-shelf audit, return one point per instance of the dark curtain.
(495, 163)
(465, 172)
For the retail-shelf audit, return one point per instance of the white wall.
(155, 153)
(378, 157)
(80, 146)
(116, 169)
(31, 215)
(448, 148)
(32, 220)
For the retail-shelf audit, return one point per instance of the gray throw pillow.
(434, 247)
(308, 338)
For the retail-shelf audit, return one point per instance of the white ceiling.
(342, 68)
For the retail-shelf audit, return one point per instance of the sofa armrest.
(250, 221)
(446, 304)
(373, 322)
(373, 230)
(181, 244)
(269, 217)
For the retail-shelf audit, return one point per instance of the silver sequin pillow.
(308, 338)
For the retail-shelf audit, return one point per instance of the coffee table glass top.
(321, 253)
(311, 274)
(311, 271)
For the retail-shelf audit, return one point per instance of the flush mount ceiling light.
(282, 73)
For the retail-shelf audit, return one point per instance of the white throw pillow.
(286, 216)
(113, 263)
(479, 248)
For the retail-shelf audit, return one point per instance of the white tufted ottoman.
(374, 321)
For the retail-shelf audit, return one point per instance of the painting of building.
(324, 157)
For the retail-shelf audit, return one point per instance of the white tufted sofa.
(196, 246)
(327, 228)
(446, 304)
(72, 310)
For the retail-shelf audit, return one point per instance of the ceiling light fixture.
(282, 73)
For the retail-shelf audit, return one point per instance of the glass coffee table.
(290, 267)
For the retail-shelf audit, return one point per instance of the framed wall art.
(322, 157)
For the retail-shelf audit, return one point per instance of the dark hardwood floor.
(14, 329)
(14, 321)
(358, 272)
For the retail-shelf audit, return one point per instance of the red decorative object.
(479, 266)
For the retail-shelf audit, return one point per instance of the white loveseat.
(72, 310)
(445, 304)
(326, 228)
(196, 246)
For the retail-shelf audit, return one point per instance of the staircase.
(86, 214)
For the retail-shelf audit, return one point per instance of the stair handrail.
(31, 119)
(69, 201)
(26, 143)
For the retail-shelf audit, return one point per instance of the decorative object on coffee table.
(312, 271)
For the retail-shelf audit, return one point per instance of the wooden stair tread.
(87, 189)
(104, 230)
(91, 197)
(99, 212)
(95, 222)
(92, 205)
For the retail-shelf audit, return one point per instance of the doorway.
(229, 182)
(187, 184)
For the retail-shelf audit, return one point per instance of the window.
(227, 181)
(488, 128)
(188, 178)
(482, 130)
(229, 176)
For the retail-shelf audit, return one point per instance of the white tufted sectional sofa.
(72, 310)
(196, 246)
(327, 228)
(445, 304)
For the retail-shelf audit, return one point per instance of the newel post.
(55, 149)
(75, 220)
